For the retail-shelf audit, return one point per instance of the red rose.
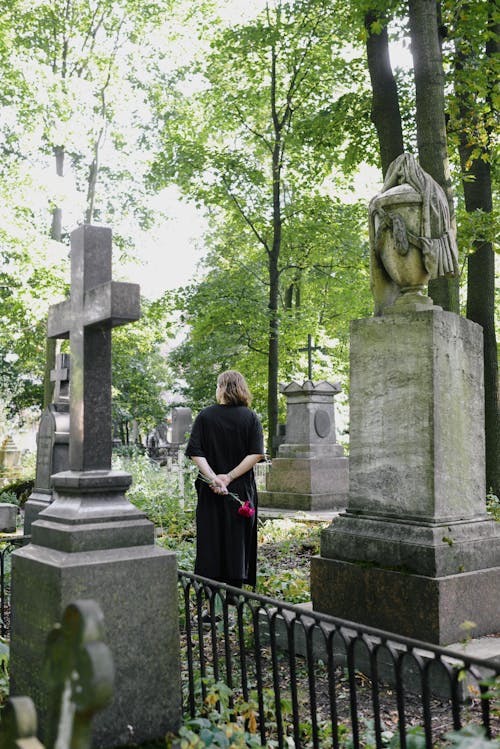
(246, 509)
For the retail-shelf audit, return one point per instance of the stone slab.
(302, 501)
(8, 517)
(299, 516)
(425, 608)
(137, 591)
(417, 417)
(323, 475)
(426, 549)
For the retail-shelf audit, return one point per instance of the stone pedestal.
(310, 471)
(92, 543)
(415, 552)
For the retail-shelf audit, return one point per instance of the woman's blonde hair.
(233, 389)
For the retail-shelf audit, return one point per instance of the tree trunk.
(273, 352)
(481, 263)
(56, 235)
(431, 122)
(385, 112)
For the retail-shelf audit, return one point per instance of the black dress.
(226, 542)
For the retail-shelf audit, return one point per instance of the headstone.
(91, 542)
(182, 419)
(52, 443)
(80, 676)
(8, 517)
(310, 471)
(10, 454)
(415, 552)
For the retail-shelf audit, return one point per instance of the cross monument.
(310, 348)
(97, 304)
(91, 542)
(60, 375)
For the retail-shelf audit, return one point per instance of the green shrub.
(493, 506)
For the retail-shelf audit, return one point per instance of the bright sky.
(170, 253)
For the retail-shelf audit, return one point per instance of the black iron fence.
(6, 548)
(304, 679)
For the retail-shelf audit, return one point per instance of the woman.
(225, 443)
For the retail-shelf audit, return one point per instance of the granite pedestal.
(310, 471)
(415, 552)
(110, 558)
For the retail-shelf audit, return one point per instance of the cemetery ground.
(284, 553)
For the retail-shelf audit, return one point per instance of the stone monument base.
(302, 500)
(37, 503)
(137, 591)
(300, 479)
(92, 543)
(418, 547)
(425, 608)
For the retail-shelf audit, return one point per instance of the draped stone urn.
(411, 238)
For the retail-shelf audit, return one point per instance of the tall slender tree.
(431, 121)
(385, 112)
(476, 75)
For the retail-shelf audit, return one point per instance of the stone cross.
(60, 375)
(80, 677)
(96, 305)
(310, 348)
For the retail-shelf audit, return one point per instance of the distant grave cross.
(96, 305)
(60, 375)
(310, 348)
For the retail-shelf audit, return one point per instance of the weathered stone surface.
(432, 549)
(417, 417)
(309, 472)
(8, 516)
(430, 609)
(182, 420)
(80, 675)
(411, 237)
(136, 589)
(299, 500)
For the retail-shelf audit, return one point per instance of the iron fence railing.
(6, 547)
(317, 681)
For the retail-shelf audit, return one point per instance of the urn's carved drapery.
(411, 237)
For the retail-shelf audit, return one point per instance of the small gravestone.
(91, 542)
(52, 443)
(10, 454)
(310, 471)
(182, 419)
(8, 517)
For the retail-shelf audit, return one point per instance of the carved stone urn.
(397, 219)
